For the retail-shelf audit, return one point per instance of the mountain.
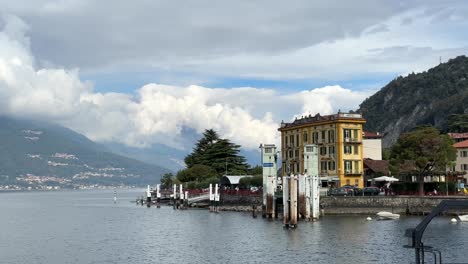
(36, 153)
(157, 154)
(425, 98)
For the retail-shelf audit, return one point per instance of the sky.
(143, 72)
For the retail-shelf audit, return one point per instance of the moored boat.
(463, 218)
(387, 216)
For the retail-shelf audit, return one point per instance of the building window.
(323, 150)
(463, 154)
(323, 165)
(356, 166)
(291, 154)
(331, 136)
(347, 134)
(356, 182)
(291, 138)
(305, 137)
(348, 164)
(297, 153)
(324, 133)
(331, 150)
(315, 137)
(355, 133)
(286, 140)
(309, 149)
(356, 150)
(347, 149)
(464, 167)
(331, 165)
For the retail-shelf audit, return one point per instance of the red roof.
(463, 144)
(458, 135)
(369, 135)
(377, 165)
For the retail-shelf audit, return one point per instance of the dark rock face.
(418, 99)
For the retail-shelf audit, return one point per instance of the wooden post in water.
(181, 196)
(293, 201)
(211, 197)
(216, 197)
(301, 180)
(186, 199)
(286, 201)
(148, 197)
(158, 196)
(307, 182)
(174, 197)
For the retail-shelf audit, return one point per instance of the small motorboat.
(387, 216)
(463, 218)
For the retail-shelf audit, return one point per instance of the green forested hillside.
(425, 98)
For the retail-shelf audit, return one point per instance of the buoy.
(369, 218)
(453, 220)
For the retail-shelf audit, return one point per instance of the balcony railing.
(352, 140)
(353, 172)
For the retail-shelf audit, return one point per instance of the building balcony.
(352, 140)
(353, 173)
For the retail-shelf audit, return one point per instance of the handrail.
(416, 233)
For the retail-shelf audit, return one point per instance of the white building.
(372, 145)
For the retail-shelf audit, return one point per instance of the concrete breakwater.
(413, 205)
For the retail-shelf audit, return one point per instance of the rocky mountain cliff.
(425, 98)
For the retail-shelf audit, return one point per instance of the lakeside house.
(340, 141)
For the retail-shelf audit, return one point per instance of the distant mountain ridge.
(35, 153)
(424, 98)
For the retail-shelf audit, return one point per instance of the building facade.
(340, 148)
(372, 145)
(461, 163)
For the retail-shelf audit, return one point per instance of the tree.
(167, 180)
(220, 154)
(196, 173)
(457, 123)
(427, 148)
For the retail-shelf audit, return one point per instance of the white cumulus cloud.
(155, 113)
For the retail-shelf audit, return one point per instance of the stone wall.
(374, 204)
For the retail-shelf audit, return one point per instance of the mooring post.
(186, 199)
(158, 196)
(174, 196)
(254, 210)
(308, 205)
(293, 199)
(286, 201)
(302, 196)
(216, 198)
(181, 196)
(211, 197)
(148, 197)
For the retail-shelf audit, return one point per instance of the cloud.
(155, 113)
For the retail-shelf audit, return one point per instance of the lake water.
(87, 227)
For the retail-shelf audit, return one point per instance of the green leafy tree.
(427, 148)
(167, 180)
(196, 173)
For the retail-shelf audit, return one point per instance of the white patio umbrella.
(384, 179)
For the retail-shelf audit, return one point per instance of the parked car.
(340, 192)
(370, 191)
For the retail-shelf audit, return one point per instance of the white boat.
(463, 218)
(387, 216)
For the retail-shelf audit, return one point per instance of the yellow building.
(339, 140)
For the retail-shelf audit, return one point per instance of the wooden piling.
(293, 201)
(286, 201)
